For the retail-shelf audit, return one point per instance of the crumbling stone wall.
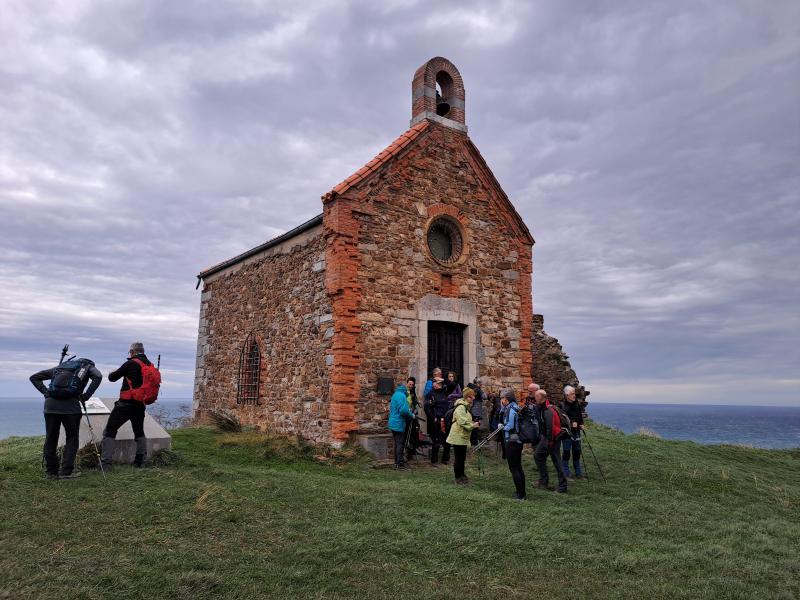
(551, 367)
(281, 298)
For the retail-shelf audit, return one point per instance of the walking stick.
(487, 438)
(64, 351)
(94, 440)
(594, 456)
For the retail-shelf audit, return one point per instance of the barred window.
(249, 372)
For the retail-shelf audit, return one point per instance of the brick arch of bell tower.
(445, 104)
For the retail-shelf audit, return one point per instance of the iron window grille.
(444, 240)
(249, 372)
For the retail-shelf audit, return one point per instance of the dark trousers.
(514, 458)
(52, 427)
(439, 440)
(398, 437)
(543, 450)
(460, 454)
(571, 446)
(124, 411)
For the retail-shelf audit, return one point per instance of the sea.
(757, 426)
(23, 416)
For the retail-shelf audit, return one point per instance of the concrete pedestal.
(125, 449)
(377, 444)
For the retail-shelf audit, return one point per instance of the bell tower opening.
(437, 93)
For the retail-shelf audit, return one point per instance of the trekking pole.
(158, 363)
(94, 440)
(594, 456)
(485, 440)
(64, 351)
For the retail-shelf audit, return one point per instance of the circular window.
(444, 240)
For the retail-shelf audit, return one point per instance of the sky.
(651, 147)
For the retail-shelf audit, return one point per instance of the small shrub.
(87, 457)
(646, 432)
(164, 458)
(225, 420)
(290, 448)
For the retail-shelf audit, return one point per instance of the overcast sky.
(651, 147)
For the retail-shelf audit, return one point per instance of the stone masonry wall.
(551, 367)
(488, 290)
(281, 298)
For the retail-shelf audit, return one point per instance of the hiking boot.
(560, 491)
(72, 475)
(569, 478)
(106, 468)
(518, 498)
(51, 476)
(462, 480)
(401, 467)
(541, 485)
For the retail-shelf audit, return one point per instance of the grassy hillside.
(232, 518)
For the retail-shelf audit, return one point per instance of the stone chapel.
(419, 259)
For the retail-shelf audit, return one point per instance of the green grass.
(235, 518)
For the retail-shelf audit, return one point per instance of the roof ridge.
(392, 150)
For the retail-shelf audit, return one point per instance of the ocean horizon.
(771, 427)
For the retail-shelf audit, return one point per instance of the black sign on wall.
(385, 385)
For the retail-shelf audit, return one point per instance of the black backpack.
(527, 426)
(70, 379)
(448, 419)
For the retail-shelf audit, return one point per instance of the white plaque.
(95, 406)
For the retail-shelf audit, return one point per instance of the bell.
(442, 107)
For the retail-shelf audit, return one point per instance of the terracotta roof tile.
(376, 163)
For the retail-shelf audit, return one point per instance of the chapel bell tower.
(437, 93)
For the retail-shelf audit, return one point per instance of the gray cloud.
(651, 148)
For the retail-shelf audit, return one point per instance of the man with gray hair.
(127, 408)
(571, 446)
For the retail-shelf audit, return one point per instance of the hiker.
(572, 444)
(496, 419)
(461, 426)
(411, 435)
(476, 409)
(452, 387)
(549, 429)
(428, 402)
(400, 416)
(531, 398)
(512, 443)
(126, 408)
(440, 405)
(63, 402)
(437, 372)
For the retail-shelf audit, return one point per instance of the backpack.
(151, 382)
(447, 422)
(70, 379)
(527, 426)
(562, 428)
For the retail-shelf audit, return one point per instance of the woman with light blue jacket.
(399, 416)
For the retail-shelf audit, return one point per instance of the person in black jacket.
(572, 444)
(477, 409)
(64, 412)
(440, 405)
(547, 446)
(126, 408)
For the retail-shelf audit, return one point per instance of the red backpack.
(151, 383)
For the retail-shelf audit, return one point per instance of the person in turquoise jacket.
(399, 416)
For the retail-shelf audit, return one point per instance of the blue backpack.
(70, 379)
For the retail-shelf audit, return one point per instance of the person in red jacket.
(126, 408)
(548, 445)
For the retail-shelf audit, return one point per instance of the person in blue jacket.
(399, 417)
(513, 445)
